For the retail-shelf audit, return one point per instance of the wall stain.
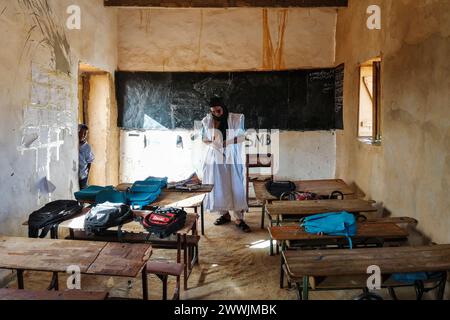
(200, 36)
(54, 38)
(3, 10)
(273, 58)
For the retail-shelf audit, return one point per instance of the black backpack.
(50, 215)
(107, 215)
(278, 188)
(302, 196)
(164, 221)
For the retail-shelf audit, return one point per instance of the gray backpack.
(107, 215)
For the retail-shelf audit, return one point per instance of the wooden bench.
(309, 269)
(92, 257)
(16, 294)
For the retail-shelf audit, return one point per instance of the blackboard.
(300, 100)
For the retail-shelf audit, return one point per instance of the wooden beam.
(225, 3)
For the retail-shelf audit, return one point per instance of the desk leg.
(441, 287)
(202, 218)
(185, 258)
(54, 284)
(305, 288)
(263, 213)
(283, 248)
(20, 284)
(144, 283)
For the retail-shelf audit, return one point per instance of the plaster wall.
(410, 171)
(299, 155)
(225, 39)
(39, 101)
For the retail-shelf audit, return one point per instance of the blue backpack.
(333, 224)
(143, 193)
(412, 277)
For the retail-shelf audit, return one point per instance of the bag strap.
(350, 242)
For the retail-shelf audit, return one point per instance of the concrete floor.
(233, 266)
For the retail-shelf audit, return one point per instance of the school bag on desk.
(90, 193)
(278, 188)
(50, 215)
(143, 193)
(107, 215)
(164, 221)
(333, 224)
(305, 195)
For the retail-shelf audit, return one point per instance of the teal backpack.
(333, 224)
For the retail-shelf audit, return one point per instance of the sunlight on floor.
(260, 244)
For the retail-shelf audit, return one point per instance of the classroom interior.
(391, 148)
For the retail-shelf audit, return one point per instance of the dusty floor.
(233, 266)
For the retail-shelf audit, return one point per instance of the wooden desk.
(134, 232)
(311, 207)
(320, 187)
(368, 234)
(14, 294)
(180, 199)
(92, 257)
(372, 230)
(327, 263)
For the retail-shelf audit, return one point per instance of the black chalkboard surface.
(285, 100)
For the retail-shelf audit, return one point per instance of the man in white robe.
(224, 164)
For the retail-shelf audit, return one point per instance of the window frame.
(376, 137)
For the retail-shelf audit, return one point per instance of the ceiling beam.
(225, 3)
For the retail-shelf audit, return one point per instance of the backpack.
(143, 193)
(90, 193)
(278, 188)
(302, 196)
(334, 224)
(164, 221)
(111, 195)
(107, 215)
(50, 215)
(412, 277)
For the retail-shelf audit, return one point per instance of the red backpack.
(164, 221)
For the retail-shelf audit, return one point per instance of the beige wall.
(39, 101)
(103, 131)
(410, 172)
(225, 39)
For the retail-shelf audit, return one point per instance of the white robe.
(225, 170)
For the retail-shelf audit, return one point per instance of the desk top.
(310, 207)
(204, 188)
(179, 199)
(355, 262)
(321, 187)
(93, 257)
(364, 230)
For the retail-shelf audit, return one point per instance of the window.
(369, 115)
